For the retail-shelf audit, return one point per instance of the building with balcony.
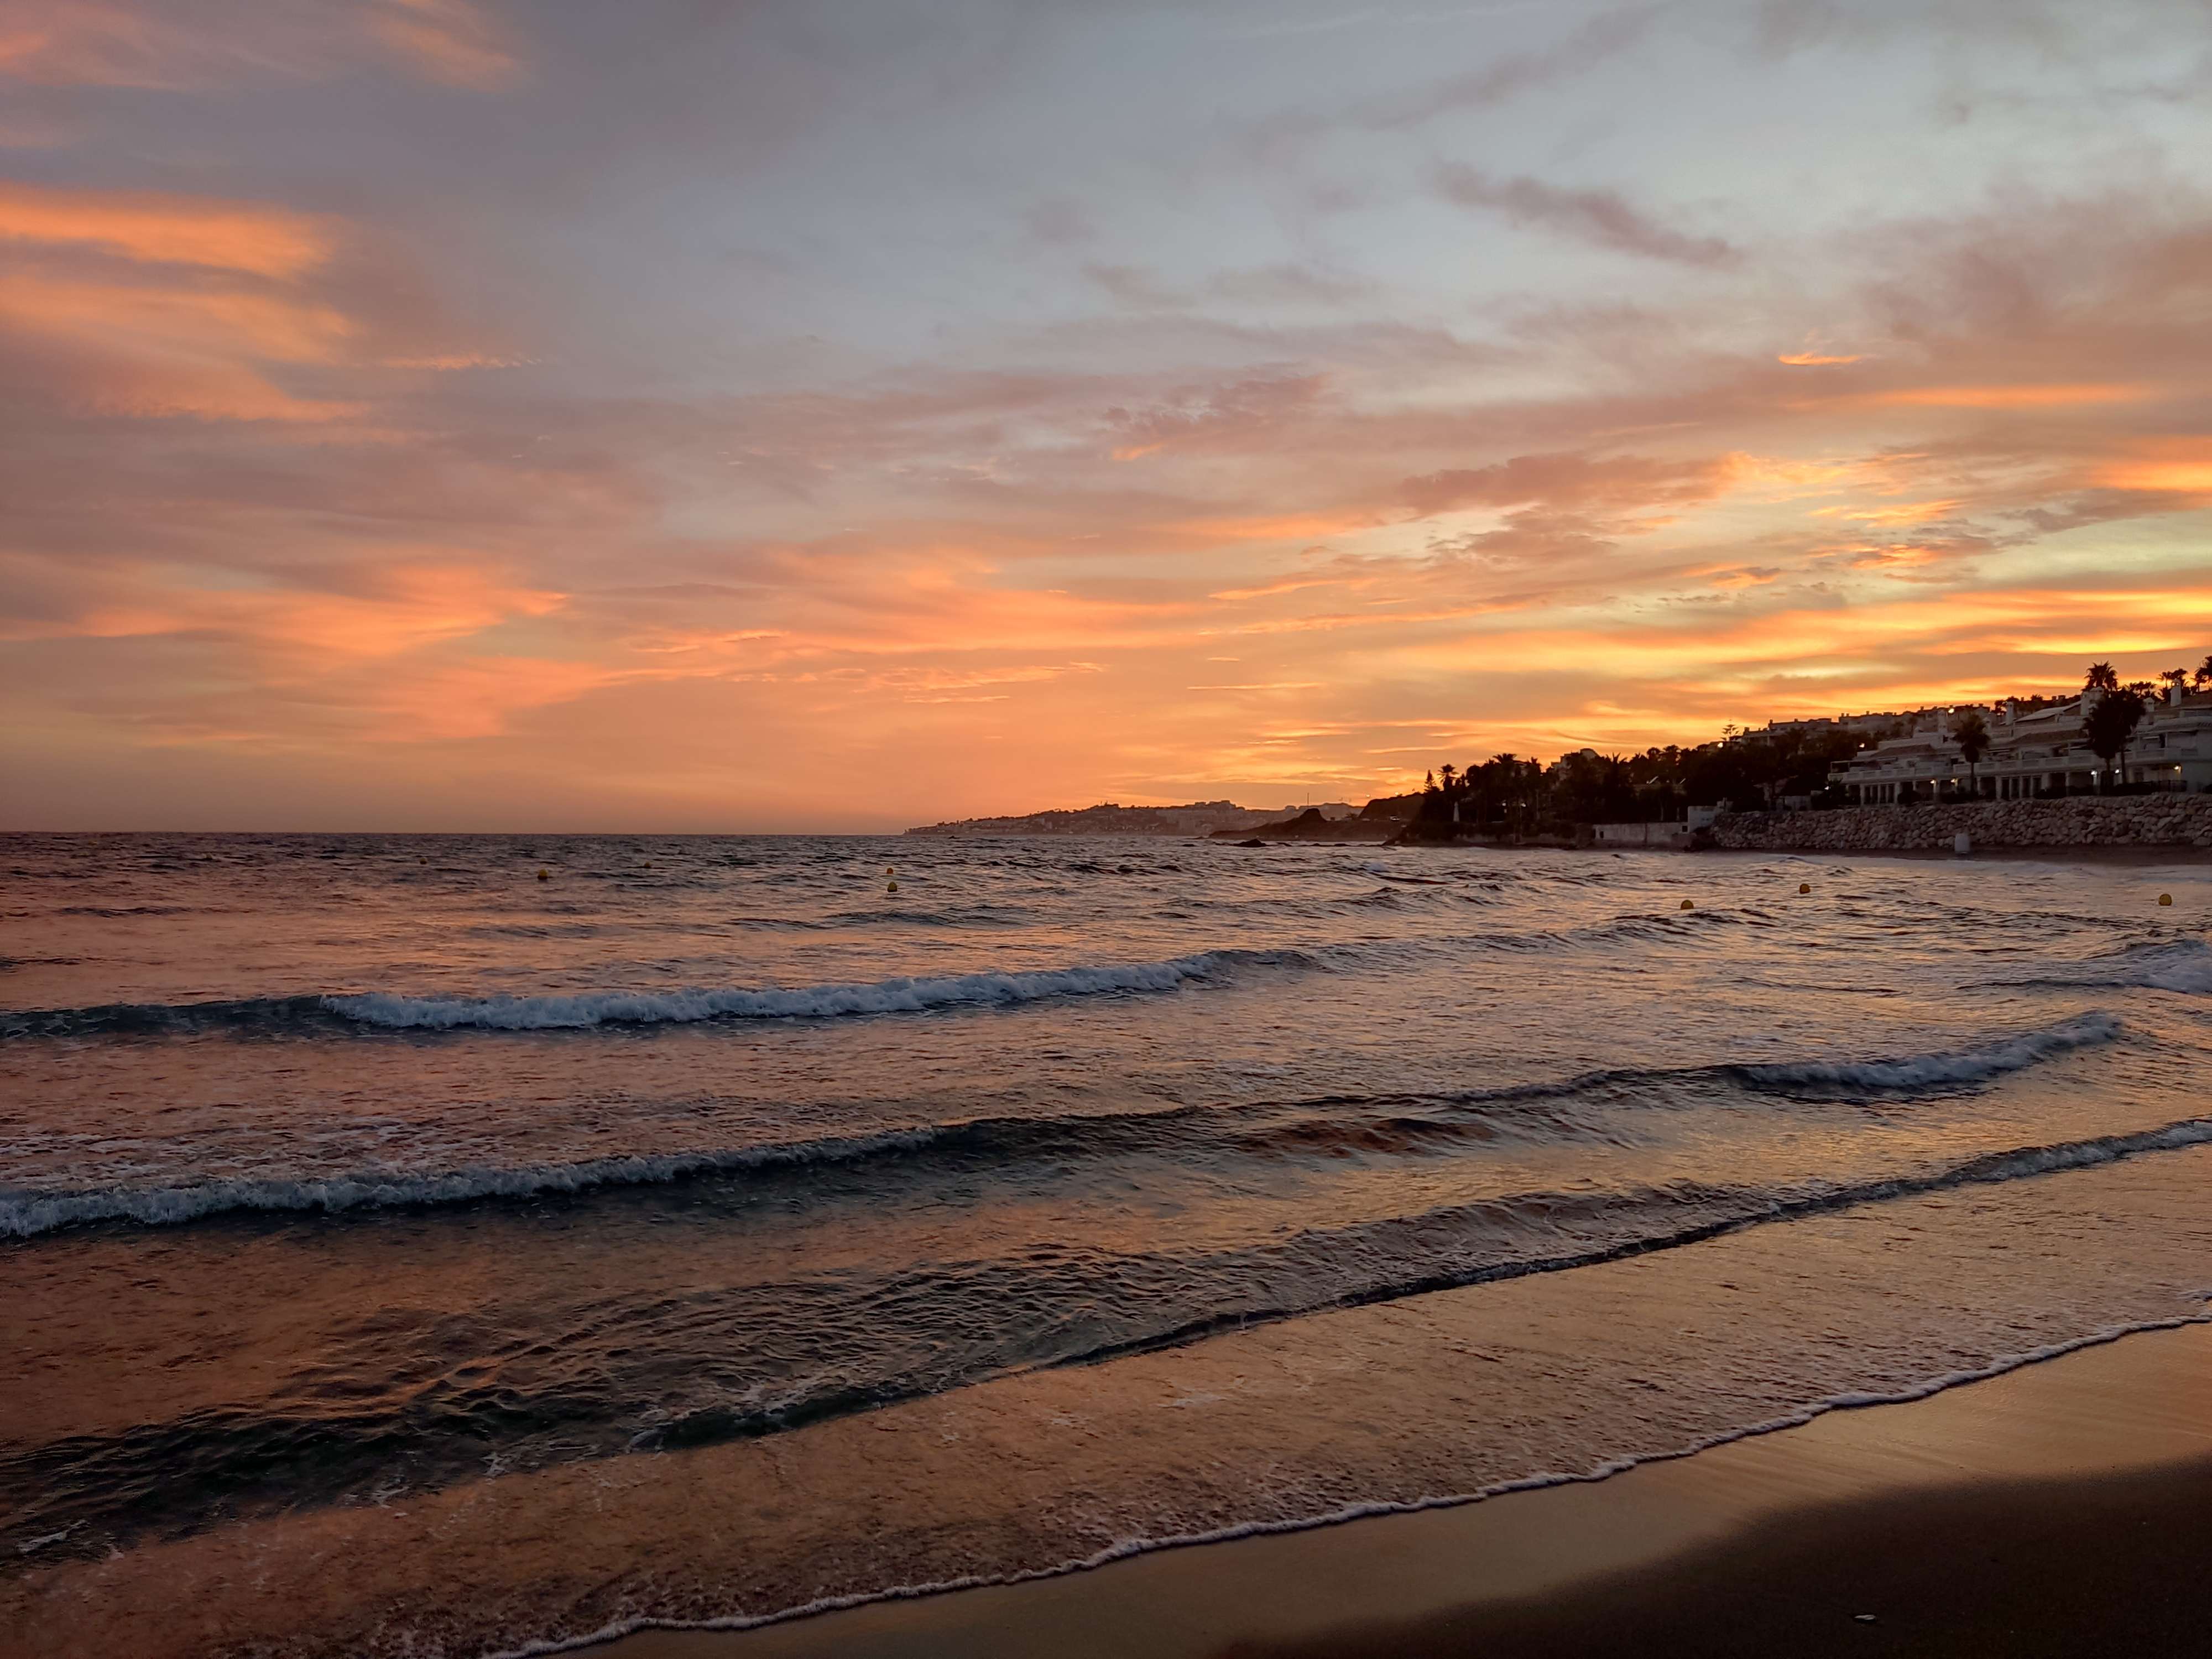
(2033, 751)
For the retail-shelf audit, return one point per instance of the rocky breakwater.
(2078, 821)
(1312, 826)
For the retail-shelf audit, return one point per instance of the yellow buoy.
(2166, 898)
(1686, 905)
(544, 875)
(890, 887)
(1804, 886)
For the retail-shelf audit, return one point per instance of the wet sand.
(2065, 1508)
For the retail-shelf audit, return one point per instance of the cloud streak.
(1603, 218)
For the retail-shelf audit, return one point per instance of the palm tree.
(2205, 671)
(1972, 733)
(2101, 678)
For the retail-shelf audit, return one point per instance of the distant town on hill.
(2107, 737)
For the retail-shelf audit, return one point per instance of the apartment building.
(2039, 752)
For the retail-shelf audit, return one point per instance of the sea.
(344, 1173)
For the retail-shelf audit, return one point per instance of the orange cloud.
(449, 40)
(1284, 527)
(196, 321)
(2188, 478)
(1911, 513)
(474, 698)
(155, 305)
(166, 229)
(2048, 621)
(177, 350)
(153, 44)
(404, 606)
(2004, 397)
(1816, 359)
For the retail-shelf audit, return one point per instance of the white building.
(2038, 752)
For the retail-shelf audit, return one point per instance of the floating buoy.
(889, 870)
(1686, 905)
(1804, 886)
(890, 887)
(544, 875)
(2166, 898)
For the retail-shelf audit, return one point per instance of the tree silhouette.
(2204, 671)
(2101, 677)
(2111, 723)
(1972, 733)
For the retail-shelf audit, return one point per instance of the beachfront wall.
(1674, 836)
(2036, 753)
(2161, 820)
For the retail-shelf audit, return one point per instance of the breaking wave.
(1975, 1064)
(2183, 965)
(585, 1009)
(805, 1002)
(1387, 1126)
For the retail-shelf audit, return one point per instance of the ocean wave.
(2183, 965)
(297, 1014)
(1642, 927)
(583, 1010)
(1694, 1213)
(802, 1002)
(23, 1215)
(118, 912)
(1388, 1125)
(974, 916)
(1973, 1064)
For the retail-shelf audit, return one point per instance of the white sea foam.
(1855, 1400)
(2183, 965)
(1973, 1065)
(801, 1002)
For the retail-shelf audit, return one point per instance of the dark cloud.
(1135, 287)
(1608, 35)
(1601, 218)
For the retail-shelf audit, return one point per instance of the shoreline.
(1776, 1540)
(1378, 1409)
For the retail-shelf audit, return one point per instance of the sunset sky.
(678, 415)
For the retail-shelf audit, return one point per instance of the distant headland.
(1204, 817)
(1824, 782)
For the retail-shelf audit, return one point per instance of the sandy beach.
(2059, 1508)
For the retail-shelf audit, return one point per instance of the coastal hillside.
(1204, 817)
